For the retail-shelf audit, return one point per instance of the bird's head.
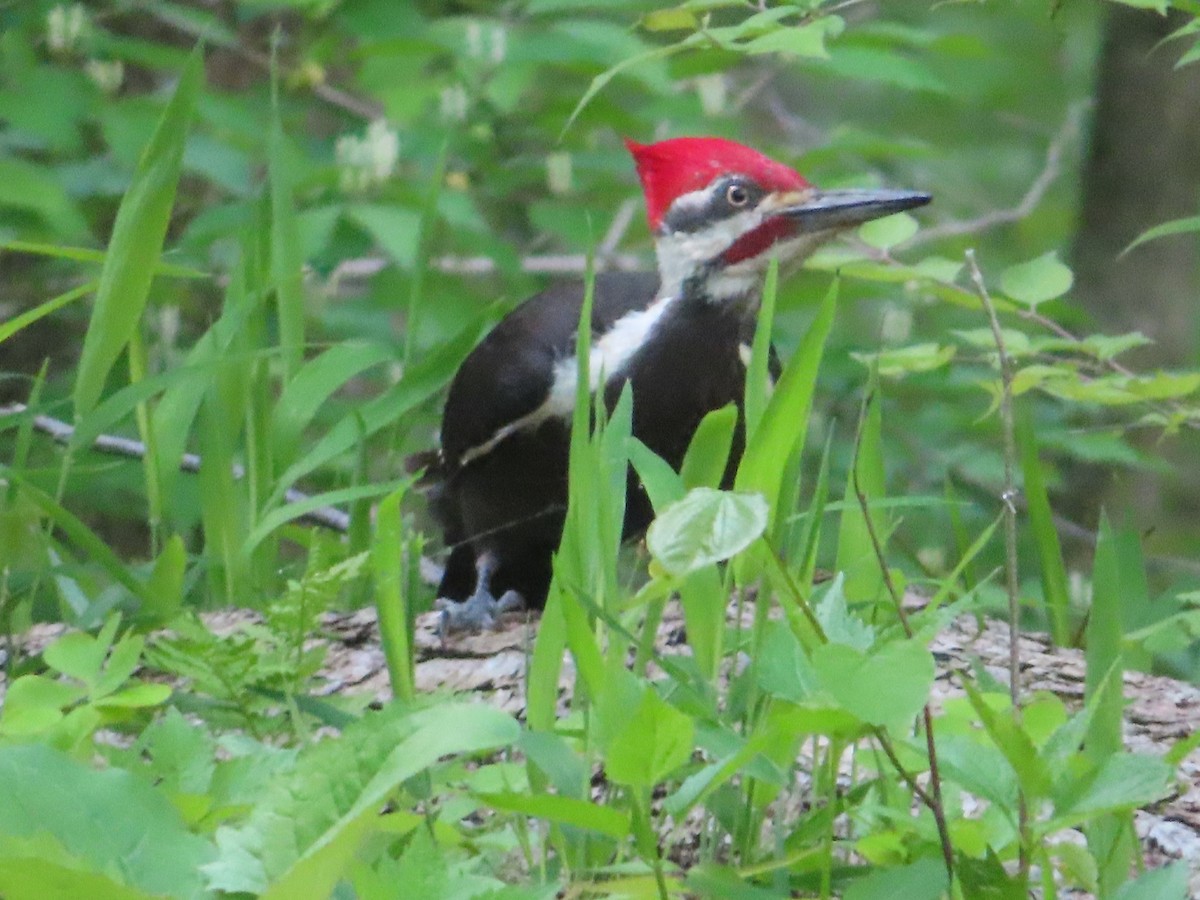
(720, 210)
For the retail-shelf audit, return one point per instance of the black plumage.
(510, 500)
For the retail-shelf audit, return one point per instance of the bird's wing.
(509, 375)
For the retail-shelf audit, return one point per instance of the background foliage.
(273, 251)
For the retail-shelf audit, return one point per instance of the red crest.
(669, 169)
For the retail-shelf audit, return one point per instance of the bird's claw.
(481, 612)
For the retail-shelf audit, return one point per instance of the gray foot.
(481, 612)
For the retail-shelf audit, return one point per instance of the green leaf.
(1123, 783)
(302, 833)
(705, 527)
(708, 453)
(783, 669)
(839, 624)
(27, 318)
(396, 229)
(1169, 882)
(887, 686)
(563, 810)
(1052, 569)
(146, 845)
(903, 360)
(1037, 281)
(889, 231)
(780, 435)
(804, 40)
(35, 703)
(924, 879)
(287, 275)
(657, 741)
(137, 241)
(1103, 658)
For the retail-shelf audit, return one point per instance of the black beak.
(823, 210)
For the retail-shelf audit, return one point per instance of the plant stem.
(1010, 528)
(933, 797)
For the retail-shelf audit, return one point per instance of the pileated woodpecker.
(718, 211)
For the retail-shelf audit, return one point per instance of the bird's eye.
(737, 195)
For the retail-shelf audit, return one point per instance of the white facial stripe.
(681, 254)
(611, 352)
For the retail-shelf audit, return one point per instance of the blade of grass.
(313, 384)
(758, 375)
(781, 432)
(1108, 836)
(137, 241)
(87, 254)
(27, 318)
(391, 604)
(416, 293)
(856, 555)
(176, 411)
(416, 386)
(286, 260)
(1053, 571)
(150, 464)
(78, 533)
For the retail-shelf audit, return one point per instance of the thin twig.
(62, 432)
(1033, 196)
(326, 516)
(933, 799)
(1010, 525)
(534, 264)
(334, 96)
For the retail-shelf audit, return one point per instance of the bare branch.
(538, 264)
(1037, 190)
(62, 432)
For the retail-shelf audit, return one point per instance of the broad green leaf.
(585, 814)
(1159, 6)
(332, 797)
(1037, 281)
(657, 741)
(803, 40)
(1169, 882)
(888, 231)
(137, 240)
(705, 527)
(708, 453)
(33, 188)
(38, 868)
(839, 624)
(35, 703)
(887, 686)
(1014, 742)
(903, 360)
(924, 879)
(281, 515)
(147, 843)
(1123, 783)
(783, 669)
(677, 19)
(396, 229)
